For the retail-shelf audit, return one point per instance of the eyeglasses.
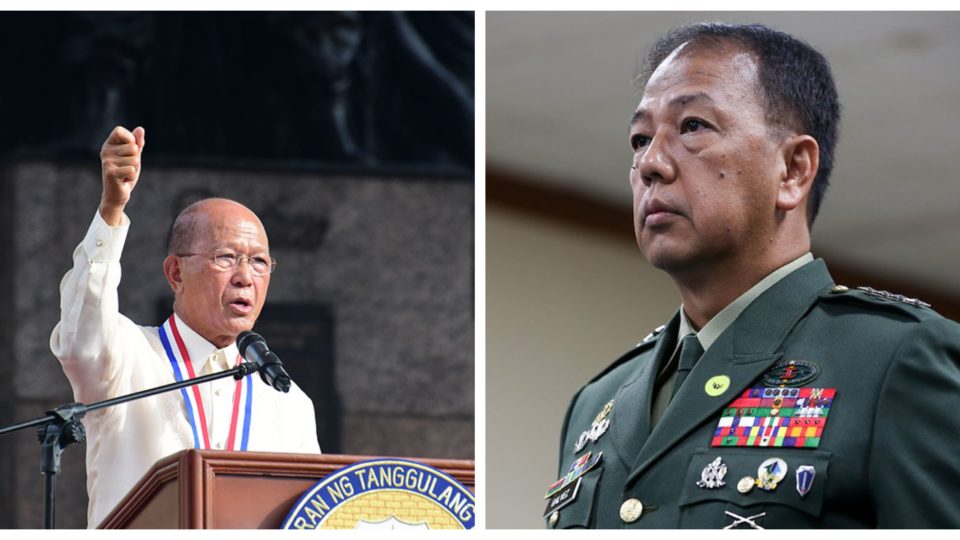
(259, 266)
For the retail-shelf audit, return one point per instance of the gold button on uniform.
(554, 518)
(839, 288)
(630, 510)
(746, 484)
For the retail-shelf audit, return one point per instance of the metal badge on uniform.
(895, 297)
(805, 476)
(597, 428)
(770, 473)
(651, 335)
(712, 475)
(791, 373)
(775, 417)
(577, 469)
(750, 521)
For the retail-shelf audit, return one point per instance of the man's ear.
(172, 271)
(801, 155)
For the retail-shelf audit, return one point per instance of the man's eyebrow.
(678, 101)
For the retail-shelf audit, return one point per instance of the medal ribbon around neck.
(183, 369)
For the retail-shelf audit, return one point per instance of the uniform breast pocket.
(577, 513)
(754, 488)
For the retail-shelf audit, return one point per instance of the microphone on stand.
(254, 349)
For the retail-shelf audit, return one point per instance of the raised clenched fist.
(120, 162)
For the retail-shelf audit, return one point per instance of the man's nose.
(655, 163)
(242, 272)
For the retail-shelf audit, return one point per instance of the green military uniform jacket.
(889, 449)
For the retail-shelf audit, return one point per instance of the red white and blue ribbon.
(183, 369)
(242, 409)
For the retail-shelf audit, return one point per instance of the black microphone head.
(245, 339)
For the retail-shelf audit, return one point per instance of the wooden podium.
(214, 489)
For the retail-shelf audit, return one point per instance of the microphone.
(253, 347)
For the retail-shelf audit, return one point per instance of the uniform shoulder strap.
(875, 299)
(647, 342)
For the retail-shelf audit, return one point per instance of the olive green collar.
(721, 321)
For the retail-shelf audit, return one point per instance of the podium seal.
(384, 494)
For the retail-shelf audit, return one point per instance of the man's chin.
(670, 261)
(660, 252)
(236, 325)
(667, 264)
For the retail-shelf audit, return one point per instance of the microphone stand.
(62, 427)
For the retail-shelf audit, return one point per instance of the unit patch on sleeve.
(780, 417)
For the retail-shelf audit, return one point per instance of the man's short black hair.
(794, 80)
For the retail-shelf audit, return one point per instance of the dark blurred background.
(338, 92)
(350, 134)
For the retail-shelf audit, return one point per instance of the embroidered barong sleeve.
(89, 339)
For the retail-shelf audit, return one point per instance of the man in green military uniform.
(773, 397)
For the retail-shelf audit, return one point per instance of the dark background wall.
(351, 135)
(390, 92)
